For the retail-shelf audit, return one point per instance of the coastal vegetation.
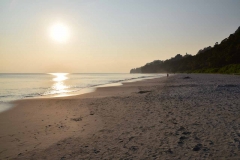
(223, 57)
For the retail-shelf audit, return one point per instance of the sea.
(15, 86)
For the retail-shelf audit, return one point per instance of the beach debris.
(197, 147)
(76, 119)
(60, 127)
(205, 149)
(186, 77)
(96, 151)
(211, 142)
(181, 128)
(186, 133)
(48, 126)
(92, 113)
(141, 92)
(181, 140)
(169, 151)
(133, 148)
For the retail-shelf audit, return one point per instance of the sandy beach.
(185, 116)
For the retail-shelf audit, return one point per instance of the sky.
(106, 36)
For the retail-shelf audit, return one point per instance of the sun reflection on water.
(59, 77)
(59, 86)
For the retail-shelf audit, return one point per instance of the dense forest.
(223, 57)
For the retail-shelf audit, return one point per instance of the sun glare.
(59, 32)
(59, 87)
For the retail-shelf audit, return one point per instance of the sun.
(59, 32)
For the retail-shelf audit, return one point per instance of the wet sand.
(192, 116)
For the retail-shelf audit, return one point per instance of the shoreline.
(94, 88)
(10, 104)
(166, 118)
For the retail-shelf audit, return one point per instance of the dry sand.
(166, 118)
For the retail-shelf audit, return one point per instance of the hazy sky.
(109, 35)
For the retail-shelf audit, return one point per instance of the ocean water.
(20, 86)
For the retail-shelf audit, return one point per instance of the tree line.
(223, 57)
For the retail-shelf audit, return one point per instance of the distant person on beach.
(167, 75)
